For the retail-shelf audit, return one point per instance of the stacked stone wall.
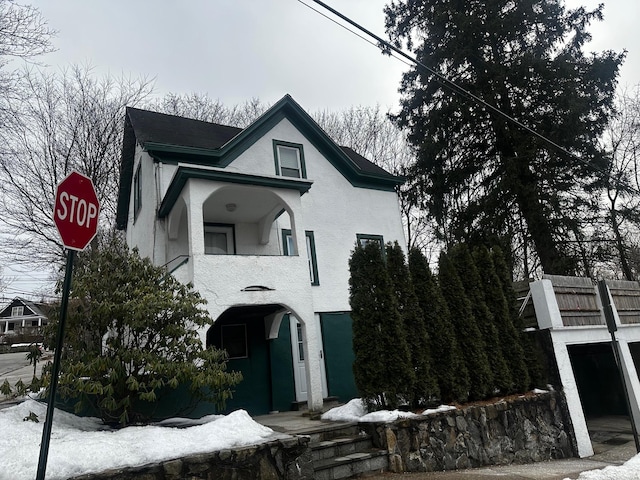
(520, 430)
(285, 459)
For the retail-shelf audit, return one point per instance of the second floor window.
(287, 240)
(17, 311)
(219, 239)
(289, 159)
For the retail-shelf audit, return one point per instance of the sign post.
(75, 214)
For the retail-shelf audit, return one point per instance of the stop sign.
(75, 212)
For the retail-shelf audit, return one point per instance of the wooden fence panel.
(577, 300)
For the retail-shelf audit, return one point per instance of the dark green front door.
(265, 364)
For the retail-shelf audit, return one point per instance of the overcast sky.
(238, 49)
(235, 50)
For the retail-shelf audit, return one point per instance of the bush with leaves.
(131, 338)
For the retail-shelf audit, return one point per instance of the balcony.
(237, 276)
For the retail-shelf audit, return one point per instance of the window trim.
(276, 157)
(19, 311)
(137, 191)
(311, 252)
(370, 237)
(221, 228)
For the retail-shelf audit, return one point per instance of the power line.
(388, 48)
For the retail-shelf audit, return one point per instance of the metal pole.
(46, 432)
(611, 325)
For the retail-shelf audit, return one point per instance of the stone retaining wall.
(522, 430)
(283, 459)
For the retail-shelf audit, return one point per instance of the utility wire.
(387, 48)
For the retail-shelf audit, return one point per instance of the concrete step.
(329, 430)
(340, 447)
(351, 465)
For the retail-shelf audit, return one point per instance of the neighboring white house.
(21, 318)
(263, 221)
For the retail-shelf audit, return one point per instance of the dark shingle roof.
(166, 129)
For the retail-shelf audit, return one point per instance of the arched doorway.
(266, 363)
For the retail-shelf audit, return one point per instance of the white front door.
(297, 350)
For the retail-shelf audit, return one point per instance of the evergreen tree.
(509, 338)
(472, 283)
(447, 360)
(534, 356)
(381, 368)
(131, 339)
(468, 334)
(478, 172)
(415, 330)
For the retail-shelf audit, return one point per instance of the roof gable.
(169, 138)
(30, 308)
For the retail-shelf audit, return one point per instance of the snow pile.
(630, 470)
(356, 411)
(84, 445)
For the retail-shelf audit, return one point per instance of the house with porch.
(262, 221)
(21, 320)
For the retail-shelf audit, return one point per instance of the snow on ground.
(630, 470)
(84, 445)
(355, 411)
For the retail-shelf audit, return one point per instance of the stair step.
(350, 465)
(329, 431)
(341, 446)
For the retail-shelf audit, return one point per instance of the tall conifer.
(415, 331)
(381, 367)
(447, 361)
(468, 334)
(472, 283)
(509, 337)
(534, 357)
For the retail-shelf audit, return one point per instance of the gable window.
(289, 249)
(289, 159)
(365, 239)
(137, 193)
(17, 311)
(219, 239)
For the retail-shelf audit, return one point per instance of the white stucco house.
(262, 221)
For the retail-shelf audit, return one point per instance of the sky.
(236, 50)
(83, 445)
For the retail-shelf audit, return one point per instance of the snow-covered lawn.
(84, 445)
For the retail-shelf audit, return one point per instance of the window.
(17, 311)
(234, 340)
(11, 327)
(289, 159)
(34, 323)
(287, 242)
(365, 239)
(137, 193)
(300, 342)
(219, 239)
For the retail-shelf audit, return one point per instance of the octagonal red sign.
(76, 210)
